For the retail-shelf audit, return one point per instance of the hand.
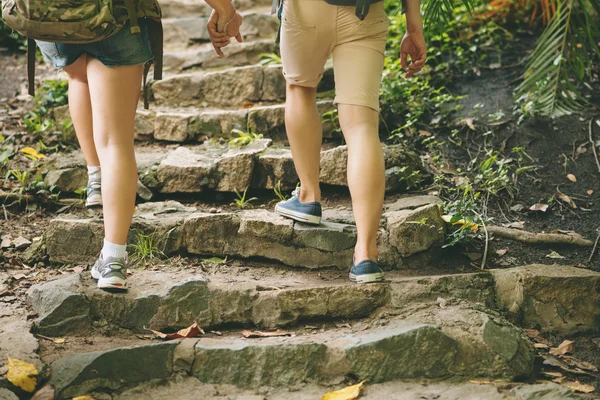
(233, 28)
(218, 39)
(413, 44)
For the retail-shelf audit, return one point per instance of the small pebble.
(213, 210)
(21, 243)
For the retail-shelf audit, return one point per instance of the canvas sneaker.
(309, 213)
(94, 194)
(111, 273)
(366, 271)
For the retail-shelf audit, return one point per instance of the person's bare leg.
(366, 175)
(305, 134)
(114, 95)
(81, 109)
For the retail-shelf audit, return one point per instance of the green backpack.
(80, 22)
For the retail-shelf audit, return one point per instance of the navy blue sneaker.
(366, 271)
(309, 213)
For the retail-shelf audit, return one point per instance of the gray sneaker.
(94, 194)
(110, 273)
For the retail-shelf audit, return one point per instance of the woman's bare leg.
(80, 107)
(114, 94)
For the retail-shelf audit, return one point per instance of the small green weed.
(242, 202)
(270, 59)
(332, 117)
(145, 248)
(278, 192)
(244, 138)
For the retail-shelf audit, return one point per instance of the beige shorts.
(312, 30)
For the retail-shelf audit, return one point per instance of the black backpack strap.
(155, 35)
(362, 8)
(31, 48)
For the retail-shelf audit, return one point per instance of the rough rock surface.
(549, 297)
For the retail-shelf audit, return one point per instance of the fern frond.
(437, 11)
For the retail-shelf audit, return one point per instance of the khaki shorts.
(312, 30)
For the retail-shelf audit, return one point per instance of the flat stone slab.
(253, 233)
(221, 168)
(552, 298)
(73, 304)
(227, 88)
(402, 351)
(191, 389)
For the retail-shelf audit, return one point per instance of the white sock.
(93, 173)
(113, 250)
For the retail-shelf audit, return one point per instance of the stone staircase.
(276, 274)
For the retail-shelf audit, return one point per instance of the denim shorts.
(121, 49)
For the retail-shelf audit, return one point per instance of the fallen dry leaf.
(22, 374)
(555, 255)
(482, 382)
(348, 393)
(424, 133)
(541, 346)
(579, 387)
(59, 340)
(566, 199)
(572, 361)
(554, 362)
(193, 331)
(565, 347)
(262, 334)
(470, 124)
(553, 374)
(88, 397)
(539, 207)
(572, 178)
(590, 192)
(515, 225)
(501, 252)
(32, 152)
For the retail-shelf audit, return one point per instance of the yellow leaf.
(572, 178)
(22, 374)
(349, 393)
(579, 387)
(59, 340)
(84, 398)
(32, 152)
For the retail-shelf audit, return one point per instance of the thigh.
(305, 42)
(114, 94)
(358, 60)
(78, 70)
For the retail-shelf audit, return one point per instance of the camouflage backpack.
(80, 22)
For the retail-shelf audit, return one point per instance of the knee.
(296, 90)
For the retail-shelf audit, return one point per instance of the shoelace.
(296, 192)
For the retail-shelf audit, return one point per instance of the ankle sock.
(93, 173)
(113, 250)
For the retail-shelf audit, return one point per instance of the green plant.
(11, 39)
(145, 248)
(279, 193)
(242, 202)
(464, 208)
(332, 117)
(244, 138)
(270, 58)
(562, 59)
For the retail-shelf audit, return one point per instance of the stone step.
(462, 344)
(222, 168)
(199, 8)
(410, 236)
(190, 388)
(232, 88)
(181, 32)
(230, 296)
(190, 126)
(204, 55)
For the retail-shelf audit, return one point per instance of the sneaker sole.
(367, 278)
(93, 203)
(119, 285)
(298, 216)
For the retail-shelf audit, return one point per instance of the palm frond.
(439, 11)
(548, 74)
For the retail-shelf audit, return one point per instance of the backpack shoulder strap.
(31, 47)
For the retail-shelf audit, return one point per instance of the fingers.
(239, 38)
(403, 59)
(219, 51)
